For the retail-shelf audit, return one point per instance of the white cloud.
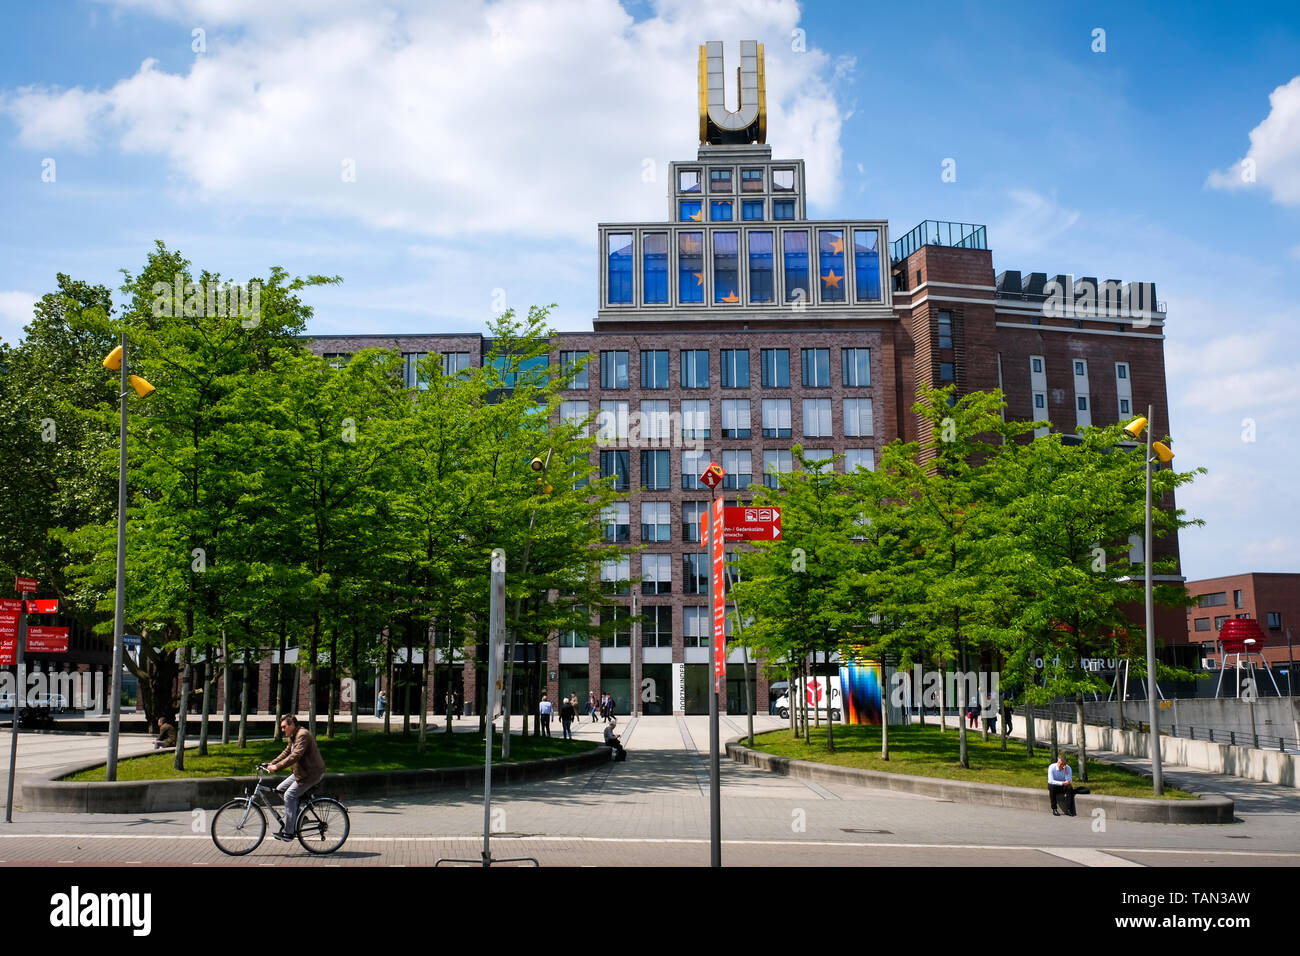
(1273, 160)
(15, 313)
(1027, 230)
(1256, 372)
(521, 116)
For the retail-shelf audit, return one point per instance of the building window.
(656, 573)
(855, 458)
(816, 417)
(616, 576)
(739, 467)
(776, 368)
(751, 180)
(945, 330)
(1218, 622)
(614, 464)
(783, 209)
(695, 573)
(655, 427)
(1121, 370)
(1275, 620)
(735, 418)
(735, 368)
(413, 375)
(866, 263)
(1083, 403)
(613, 370)
(751, 210)
(612, 422)
(654, 369)
(720, 210)
(654, 471)
(336, 359)
(795, 245)
(688, 180)
(690, 267)
(830, 248)
(1237, 601)
(695, 368)
(1124, 406)
(1080, 368)
(656, 522)
(693, 464)
(690, 210)
(617, 522)
(454, 363)
(816, 368)
(945, 371)
(719, 180)
(726, 267)
(575, 413)
(776, 463)
(1036, 365)
(697, 627)
(654, 258)
(657, 626)
(1202, 624)
(619, 251)
(691, 512)
(776, 418)
(695, 418)
(1040, 400)
(575, 637)
(573, 368)
(782, 180)
(761, 274)
(621, 620)
(857, 418)
(856, 365)
(1217, 599)
(818, 458)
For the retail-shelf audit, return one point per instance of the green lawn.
(924, 752)
(372, 751)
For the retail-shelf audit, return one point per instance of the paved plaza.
(653, 810)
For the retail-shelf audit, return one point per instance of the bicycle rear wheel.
(323, 825)
(239, 827)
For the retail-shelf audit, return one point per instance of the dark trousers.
(546, 725)
(1065, 794)
(567, 727)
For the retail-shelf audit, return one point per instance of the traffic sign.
(8, 631)
(713, 475)
(47, 640)
(753, 524)
(7, 645)
(25, 585)
(43, 606)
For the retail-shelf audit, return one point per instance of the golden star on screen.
(698, 216)
(699, 278)
(731, 297)
(832, 280)
(837, 246)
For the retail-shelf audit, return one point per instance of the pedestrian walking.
(544, 711)
(568, 711)
(609, 707)
(591, 705)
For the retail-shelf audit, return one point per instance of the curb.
(1210, 808)
(154, 796)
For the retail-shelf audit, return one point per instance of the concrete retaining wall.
(154, 796)
(1269, 766)
(1208, 809)
(1274, 716)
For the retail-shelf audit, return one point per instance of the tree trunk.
(388, 687)
(277, 686)
(355, 689)
(803, 701)
(792, 682)
(406, 683)
(963, 757)
(984, 721)
(1056, 747)
(919, 690)
(1031, 725)
(424, 695)
(243, 705)
(313, 677)
(451, 687)
(225, 689)
(179, 762)
(1083, 740)
(884, 719)
(943, 697)
(207, 700)
(334, 681)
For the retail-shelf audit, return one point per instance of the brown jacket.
(303, 755)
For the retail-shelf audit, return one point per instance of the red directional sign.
(713, 475)
(753, 524)
(25, 585)
(47, 640)
(8, 631)
(43, 606)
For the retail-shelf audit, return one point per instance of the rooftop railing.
(932, 232)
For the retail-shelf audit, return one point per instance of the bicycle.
(239, 827)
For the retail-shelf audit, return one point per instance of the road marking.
(1087, 857)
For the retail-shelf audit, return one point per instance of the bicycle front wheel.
(323, 825)
(239, 827)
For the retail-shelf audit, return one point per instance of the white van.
(818, 689)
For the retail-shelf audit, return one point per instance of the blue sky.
(489, 139)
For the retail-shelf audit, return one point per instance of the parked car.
(775, 691)
(782, 706)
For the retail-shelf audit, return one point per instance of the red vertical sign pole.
(713, 537)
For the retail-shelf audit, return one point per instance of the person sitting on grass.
(166, 735)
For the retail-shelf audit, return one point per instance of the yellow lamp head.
(1162, 452)
(114, 360)
(536, 464)
(142, 388)
(1136, 427)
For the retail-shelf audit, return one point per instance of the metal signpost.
(712, 533)
(23, 586)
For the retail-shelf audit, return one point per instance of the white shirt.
(1057, 776)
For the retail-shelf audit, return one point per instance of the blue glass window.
(719, 180)
(620, 267)
(796, 267)
(866, 262)
(776, 368)
(856, 367)
(735, 368)
(830, 248)
(654, 255)
(654, 368)
(761, 267)
(751, 180)
(783, 209)
(752, 210)
(614, 464)
(690, 210)
(726, 267)
(720, 211)
(817, 368)
(690, 267)
(613, 369)
(695, 369)
(569, 368)
(526, 369)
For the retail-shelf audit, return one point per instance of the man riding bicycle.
(303, 755)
